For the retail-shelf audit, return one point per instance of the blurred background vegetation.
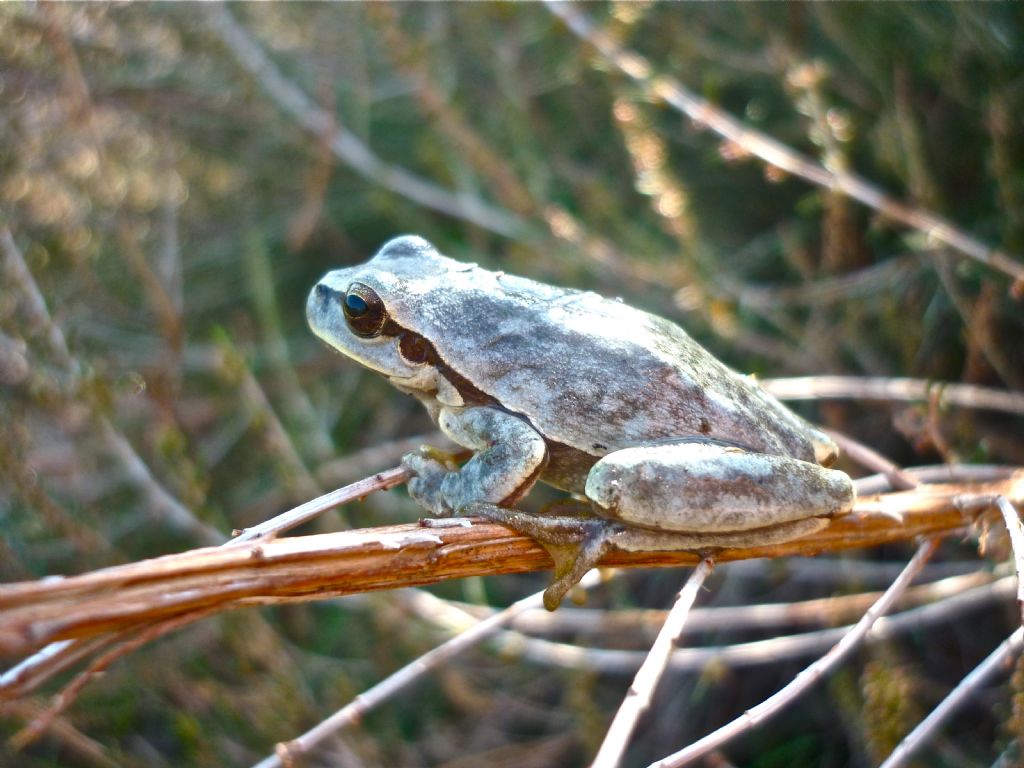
(175, 178)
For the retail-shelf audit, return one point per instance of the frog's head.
(373, 312)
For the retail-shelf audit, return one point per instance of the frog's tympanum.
(671, 449)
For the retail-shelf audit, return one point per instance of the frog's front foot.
(575, 544)
(429, 467)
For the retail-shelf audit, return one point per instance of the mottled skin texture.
(544, 383)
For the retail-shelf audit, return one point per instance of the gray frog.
(672, 449)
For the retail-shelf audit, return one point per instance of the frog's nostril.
(323, 293)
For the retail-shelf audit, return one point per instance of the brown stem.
(328, 565)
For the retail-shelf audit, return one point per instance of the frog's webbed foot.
(575, 544)
(429, 467)
(508, 457)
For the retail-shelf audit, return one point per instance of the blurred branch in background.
(911, 390)
(345, 145)
(778, 154)
(161, 504)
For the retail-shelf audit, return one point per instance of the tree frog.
(671, 449)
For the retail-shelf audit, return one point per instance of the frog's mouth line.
(349, 354)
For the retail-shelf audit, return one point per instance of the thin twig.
(24, 677)
(303, 513)
(841, 573)
(911, 390)
(288, 752)
(937, 473)
(868, 457)
(999, 659)
(756, 652)
(160, 501)
(774, 152)
(296, 473)
(359, 464)
(1016, 530)
(345, 146)
(638, 697)
(344, 469)
(70, 741)
(97, 666)
(807, 677)
(16, 273)
(817, 612)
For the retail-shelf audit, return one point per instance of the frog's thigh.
(704, 488)
(509, 456)
(647, 540)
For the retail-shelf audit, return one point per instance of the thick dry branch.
(33, 614)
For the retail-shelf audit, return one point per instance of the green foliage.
(174, 214)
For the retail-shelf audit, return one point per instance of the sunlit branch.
(641, 692)
(997, 660)
(33, 614)
(807, 677)
(895, 389)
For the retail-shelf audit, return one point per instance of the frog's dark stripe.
(469, 392)
(565, 465)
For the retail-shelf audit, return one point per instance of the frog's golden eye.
(364, 310)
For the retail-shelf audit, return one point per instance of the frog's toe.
(573, 562)
(574, 544)
(424, 485)
(423, 465)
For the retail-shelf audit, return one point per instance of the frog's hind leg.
(710, 490)
(642, 540)
(575, 544)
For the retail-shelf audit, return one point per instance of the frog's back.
(595, 374)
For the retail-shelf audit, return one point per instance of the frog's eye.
(364, 310)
